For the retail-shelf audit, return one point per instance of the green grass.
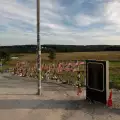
(115, 73)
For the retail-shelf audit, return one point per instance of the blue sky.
(80, 22)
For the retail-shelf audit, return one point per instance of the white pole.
(38, 48)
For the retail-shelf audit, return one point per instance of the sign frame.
(92, 93)
(103, 78)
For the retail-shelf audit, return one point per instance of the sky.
(72, 22)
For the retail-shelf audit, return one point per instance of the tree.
(52, 54)
(2, 55)
(5, 56)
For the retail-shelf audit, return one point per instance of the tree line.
(59, 48)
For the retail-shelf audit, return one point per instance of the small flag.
(79, 91)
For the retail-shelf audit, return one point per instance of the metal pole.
(1, 65)
(38, 48)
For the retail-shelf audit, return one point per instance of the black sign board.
(97, 83)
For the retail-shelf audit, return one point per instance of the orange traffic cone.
(109, 102)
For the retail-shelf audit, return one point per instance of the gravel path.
(58, 102)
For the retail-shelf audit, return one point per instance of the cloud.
(112, 12)
(85, 20)
(81, 22)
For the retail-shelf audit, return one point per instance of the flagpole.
(38, 48)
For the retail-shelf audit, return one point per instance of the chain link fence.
(62, 71)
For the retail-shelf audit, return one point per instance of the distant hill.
(59, 48)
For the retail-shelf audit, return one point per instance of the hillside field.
(75, 56)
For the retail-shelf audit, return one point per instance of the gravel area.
(58, 102)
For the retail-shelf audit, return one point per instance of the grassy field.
(75, 56)
(112, 57)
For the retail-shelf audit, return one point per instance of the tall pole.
(38, 48)
(1, 65)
